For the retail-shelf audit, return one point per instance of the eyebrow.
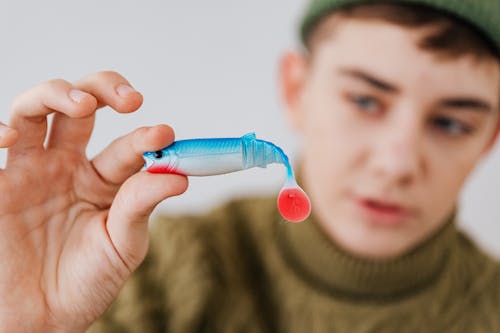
(468, 103)
(459, 103)
(370, 79)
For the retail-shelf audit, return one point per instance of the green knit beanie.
(483, 14)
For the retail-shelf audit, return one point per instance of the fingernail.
(123, 90)
(77, 95)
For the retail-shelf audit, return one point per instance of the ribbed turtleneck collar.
(321, 262)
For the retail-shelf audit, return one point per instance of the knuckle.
(139, 132)
(56, 84)
(133, 258)
(108, 75)
(37, 96)
(17, 102)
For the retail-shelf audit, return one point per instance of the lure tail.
(260, 153)
(293, 203)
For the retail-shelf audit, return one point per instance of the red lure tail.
(293, 204)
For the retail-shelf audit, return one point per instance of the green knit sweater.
(243, 269)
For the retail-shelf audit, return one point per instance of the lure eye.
(158, 154)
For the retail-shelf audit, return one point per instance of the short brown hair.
(452, 37)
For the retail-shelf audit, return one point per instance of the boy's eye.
(451, 126)
(366, 103)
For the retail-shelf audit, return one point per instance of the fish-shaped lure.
(206, 157)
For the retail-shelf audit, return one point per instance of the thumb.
(129, 213)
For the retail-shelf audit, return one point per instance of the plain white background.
(207, 68)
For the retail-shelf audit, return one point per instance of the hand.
(71, 229)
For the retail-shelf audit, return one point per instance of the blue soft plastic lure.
(206, 157)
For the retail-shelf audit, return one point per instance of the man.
(396, 103)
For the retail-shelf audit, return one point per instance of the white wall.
(208, 68)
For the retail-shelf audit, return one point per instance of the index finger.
(109, 88)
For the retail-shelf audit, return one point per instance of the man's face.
(390, 133)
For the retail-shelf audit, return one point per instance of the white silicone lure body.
(206, 157)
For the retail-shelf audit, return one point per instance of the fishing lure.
(206, 157)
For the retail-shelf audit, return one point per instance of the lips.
(383, 206)
(382, 212)
(148, 162)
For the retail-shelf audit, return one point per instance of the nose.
(397, 156)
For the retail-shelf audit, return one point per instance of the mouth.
(148, 162)
(382, 212)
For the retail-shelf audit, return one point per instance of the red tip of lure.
(293, 204)
(163, 169)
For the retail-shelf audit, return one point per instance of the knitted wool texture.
(482, 14)
(242, 269)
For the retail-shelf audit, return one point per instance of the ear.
(293, 73)
(496, 133)
(494, 138)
